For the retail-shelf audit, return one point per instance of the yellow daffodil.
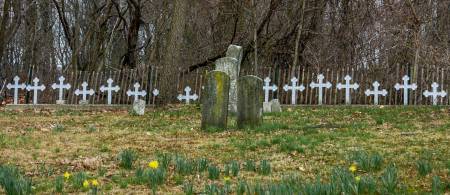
(357, 179)
(226, 179)
(85, 183)
(353, 168)
(67, 175)
(153, 164)
(94, 182)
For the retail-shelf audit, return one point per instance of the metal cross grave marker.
(434, 93)
(16, 86)
(187, 97)
(84, 92)
(267, 88)
(136, 93)
(35, 88)
(61, 86)
(347, 86)
(376, 92)
(405, 88)
(109, 89)
(294, 89)
(320, 85)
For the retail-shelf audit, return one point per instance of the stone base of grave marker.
(267, 107)
(275, 105)
(83, 102)
(60, 102)
(139, 107)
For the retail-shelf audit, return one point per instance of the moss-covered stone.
(215, 100)
(250, 101)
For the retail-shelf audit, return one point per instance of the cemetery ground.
(304, 149)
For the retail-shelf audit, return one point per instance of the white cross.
(16, 88)
(376, 92)
(188, 97)
(61, 86)
(136, 93)
(267, 88)
(109, 89)
(347, 86)
(84, 92)
(405, 88)
(434, 94)
(320, 85)
(35, 88)
(294, 89)
(155, 92)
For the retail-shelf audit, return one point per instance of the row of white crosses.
(84, 92)
(376, 92)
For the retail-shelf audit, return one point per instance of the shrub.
(13, 181)
(188, 188)
(59, 184)
(184, 166)
(423, 167)
(235, 167)
(213, 172)
(389, 179)
(58, 128)
(250, 165)
(202, 164)
(264, 167)
(127, 158)
(78, 179)
(436, 186)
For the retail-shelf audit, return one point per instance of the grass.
(391, 146)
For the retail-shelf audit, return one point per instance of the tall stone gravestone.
(215, 100)
(231, 66)
(250, 101)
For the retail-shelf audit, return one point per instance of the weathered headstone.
(275, 105)
(235, 51)
(109, 89)
(434, 93)
(215, 100)
(35, 88)
(61, 86)
(139, 107)
(187, 97)
(84, 93)
(229, 65)
(16, 86)
(405, 88)
(376, 92)
(250, 101)
(347, 86)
